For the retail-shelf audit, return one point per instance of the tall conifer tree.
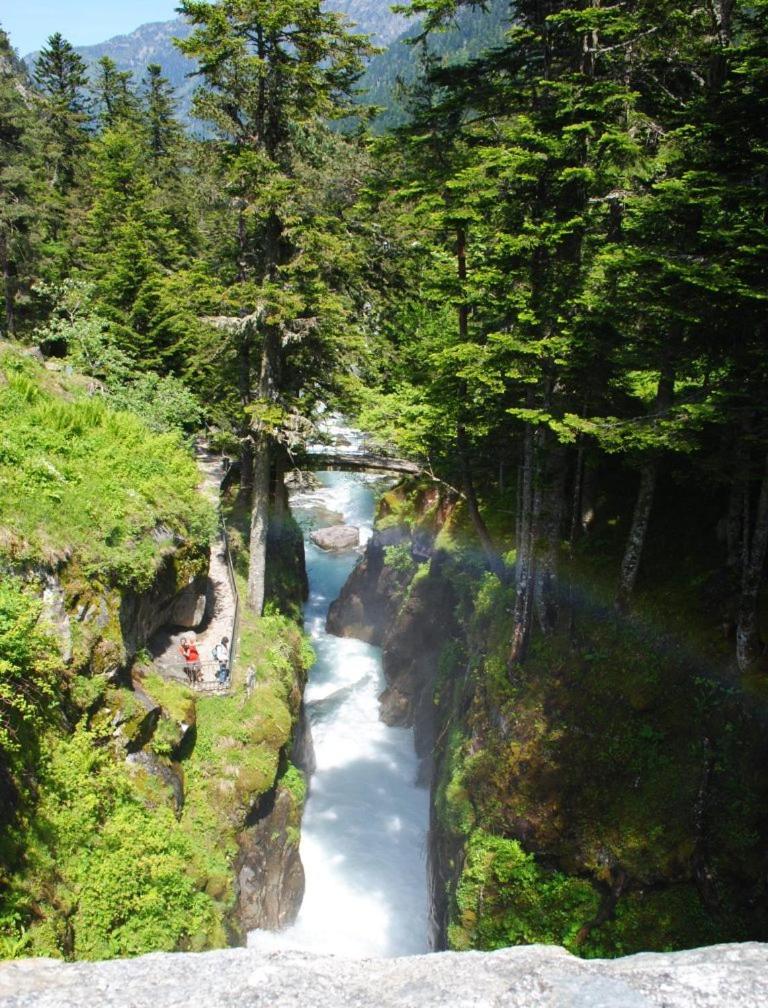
(270, 72)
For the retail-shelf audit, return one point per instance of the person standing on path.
(192, 664)
(221, 655)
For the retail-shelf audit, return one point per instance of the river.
(363, 840)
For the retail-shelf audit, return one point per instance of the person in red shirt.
(192, 664)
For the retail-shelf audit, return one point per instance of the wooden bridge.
(357, 462)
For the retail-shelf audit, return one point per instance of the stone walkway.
(220, 600)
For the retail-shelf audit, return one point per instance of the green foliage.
(399, 558)
(123, 872)
(29, 669)
(20, 181)
(30, 699)
(93, 480)
(505, 898)
(165, 403)
(177, 700)
(293, 779)
(663, 921)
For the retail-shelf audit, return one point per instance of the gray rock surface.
(269, 875)
(536, 976)
(301, 480)
(190, 605)
(337, 537)
(55, 612)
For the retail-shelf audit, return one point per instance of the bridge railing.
(323, 459)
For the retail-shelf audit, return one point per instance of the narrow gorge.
(384, 505)
(363, 833)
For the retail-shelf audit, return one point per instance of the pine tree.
(115, 102)
(130, 242)
(18, 187)
(160, 115)
(61, 76)
(270, 72)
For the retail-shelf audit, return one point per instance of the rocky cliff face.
(268, 869)
(370, 599)
(595, 801)
(100, 628)
(545, 977)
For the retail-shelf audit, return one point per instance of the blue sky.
(82, 22)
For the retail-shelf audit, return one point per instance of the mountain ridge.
(152, 42)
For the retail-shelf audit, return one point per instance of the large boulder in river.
(327, 517)
(337, 537)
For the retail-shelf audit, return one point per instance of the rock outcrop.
(336, 538)
(410, 617)
(534, 976)
(372, 594)
(268, 870)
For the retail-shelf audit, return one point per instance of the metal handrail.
(233, 640)
(200, 687)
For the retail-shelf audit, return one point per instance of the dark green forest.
(546, 282)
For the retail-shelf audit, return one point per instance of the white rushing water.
(363, 840)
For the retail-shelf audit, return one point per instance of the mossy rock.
(504, 897)
(108, 658)
(176, 699)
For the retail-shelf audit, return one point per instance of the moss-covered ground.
(610, 795)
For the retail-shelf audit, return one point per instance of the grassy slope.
(79, 479)
(96, 860)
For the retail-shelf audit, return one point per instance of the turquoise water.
(364, 831)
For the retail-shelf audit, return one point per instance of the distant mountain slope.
(153, 43)
(373, 17)
(474, 31)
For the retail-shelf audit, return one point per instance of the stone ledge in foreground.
(534, 976)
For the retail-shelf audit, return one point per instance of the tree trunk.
(633, 550)
(481, 529)
(269, 388)
(576, 495)
(636, 538)
(269, 382)
(8, 287)
(244, 339)
(259, 524)
(734, 523)
(279, 493)
(246, 467)
(548, 549)
(242, 243)
(478, 524)
(524, 563)
(578, 498)
(749, 648)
